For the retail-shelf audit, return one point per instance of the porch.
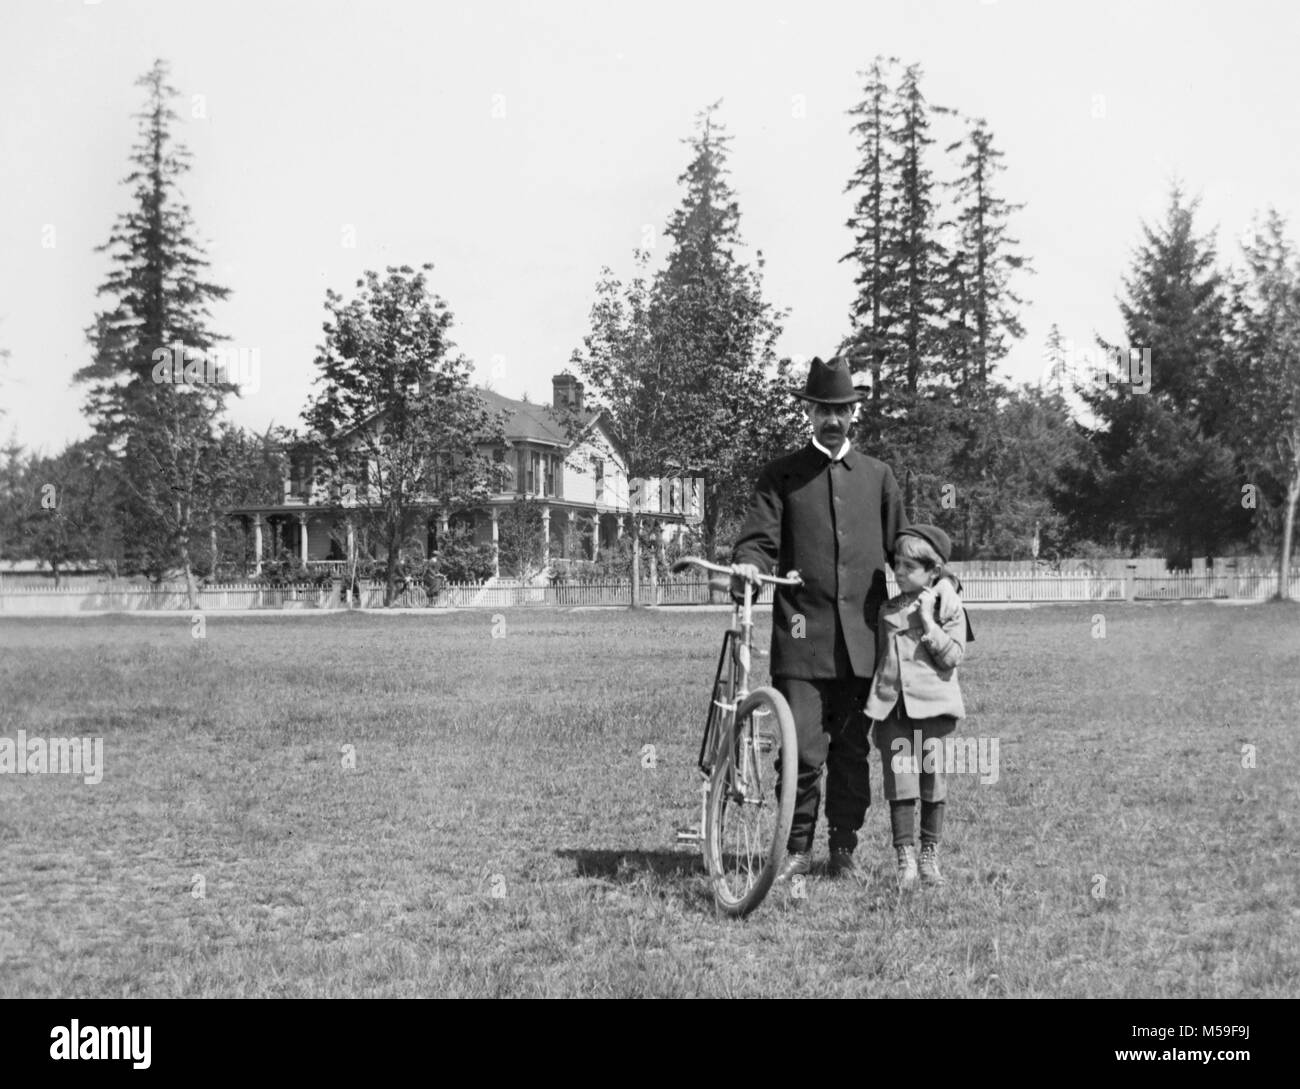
(573, 535)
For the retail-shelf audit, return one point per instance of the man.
(831, 513)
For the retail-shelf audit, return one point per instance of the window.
(555, 476)
(521, 476)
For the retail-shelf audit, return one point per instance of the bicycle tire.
(745, 804)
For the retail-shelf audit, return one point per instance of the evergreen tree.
(874, 235)
(899, 315)
(1264, 378)
(981, 272)
(714, 336)
(914, 297)
(1056, 362)
(157, 431)
(1164, 477)
(685, 366)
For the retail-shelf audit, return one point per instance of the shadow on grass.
(629, 866)
(684, 870)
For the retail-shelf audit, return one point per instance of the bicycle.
(749, 758)
(411, 595)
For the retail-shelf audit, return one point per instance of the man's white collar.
(844, 449)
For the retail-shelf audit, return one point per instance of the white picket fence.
(21, 597)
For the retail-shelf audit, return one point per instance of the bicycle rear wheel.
(746, 826)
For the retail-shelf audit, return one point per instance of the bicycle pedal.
(688, 835)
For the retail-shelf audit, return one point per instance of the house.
(582, 484)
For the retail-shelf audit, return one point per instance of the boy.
(914, 695)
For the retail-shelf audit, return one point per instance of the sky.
(521, 147)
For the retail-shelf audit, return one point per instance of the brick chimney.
(568, 392)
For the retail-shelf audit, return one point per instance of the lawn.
(464, 804)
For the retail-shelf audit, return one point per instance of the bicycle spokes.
(749, 819)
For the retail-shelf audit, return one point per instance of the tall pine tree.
(874, 234)
(1164, 477)
(914, 296)
(1264, 376)
(160, 434)
(686, 366)
(984, 297)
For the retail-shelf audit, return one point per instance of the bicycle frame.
(730, 689)
(731, 680)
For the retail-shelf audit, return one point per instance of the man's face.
(830, 423)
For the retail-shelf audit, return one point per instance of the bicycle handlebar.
(793, 578)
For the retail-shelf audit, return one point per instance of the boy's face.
(912, 575)
(830, 423)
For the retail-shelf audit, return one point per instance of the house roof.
(526, 422)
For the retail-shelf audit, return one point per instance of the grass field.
(500, 833)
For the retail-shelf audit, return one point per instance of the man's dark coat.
(834, 522)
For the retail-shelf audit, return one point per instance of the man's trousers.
(833, 732)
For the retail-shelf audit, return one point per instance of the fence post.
(1130, 583)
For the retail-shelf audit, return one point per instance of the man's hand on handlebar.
(741, 573)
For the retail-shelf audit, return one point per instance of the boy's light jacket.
(927, 678)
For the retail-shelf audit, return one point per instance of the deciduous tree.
(396, 431)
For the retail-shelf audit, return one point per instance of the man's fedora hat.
(830, 383)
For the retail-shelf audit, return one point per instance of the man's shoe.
(906, 867)
(841, 863)
(796, 863)
(929, 866)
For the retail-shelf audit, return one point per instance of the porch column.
(546, 534)
(444, 531)
(302, 539)
(595, 537)
(257, 544)
(352, 541)
(571, 538)
(622, 522)
(496, 543)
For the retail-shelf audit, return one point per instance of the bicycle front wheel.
(751, 802)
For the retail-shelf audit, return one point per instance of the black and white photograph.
(587, 500)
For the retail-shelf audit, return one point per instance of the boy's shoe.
(841, 863)
(795, 864)
(906, 867)
(929, 865)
